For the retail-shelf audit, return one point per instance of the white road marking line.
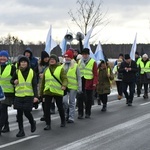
(145, 103)
(19, 141)
(84, 142)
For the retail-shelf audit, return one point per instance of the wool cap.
(127, 56)
(44, 54)
(54, 57)
(69, 54)
(145, 56)
(4, 53)
(23, 58)
(85, 51)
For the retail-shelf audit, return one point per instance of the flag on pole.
(99, 55)
(86, 42)
(63, 45)
(50, 43)
(133, 48)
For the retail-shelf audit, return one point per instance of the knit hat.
(85, 51)
(54, 57)
(44, 54)
(127, 56)
(23, 58)
(69, 54)
(145, 56)
(4, 53)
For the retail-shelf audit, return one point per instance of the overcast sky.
(30, 20)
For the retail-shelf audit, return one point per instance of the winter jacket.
(128, 76)
(63, 78)
(103, 86)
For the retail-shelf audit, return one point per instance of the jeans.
(69, 106)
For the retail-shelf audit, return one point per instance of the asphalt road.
(122, 127)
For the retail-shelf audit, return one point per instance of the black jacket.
(128, 76)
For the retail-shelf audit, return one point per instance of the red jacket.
(91, 84)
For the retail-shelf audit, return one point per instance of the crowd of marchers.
(67, 81)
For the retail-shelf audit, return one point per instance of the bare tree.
(88, 14)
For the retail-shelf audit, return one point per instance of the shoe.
(104, 108)
(5, 129)
(47, 127)
(129, 104)
(42, 118)
(33, 126)
(145, 96)
(20, 133)
(80, 117)
(63, 124)
(70, 121)
(87, 116)
(119, 97)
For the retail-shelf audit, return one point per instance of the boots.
(20, 133)
(145, 96)
(33, 126)
(5, 129)
(104, 108)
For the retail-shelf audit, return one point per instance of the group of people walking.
(69, 82)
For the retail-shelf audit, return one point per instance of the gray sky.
(30, 20)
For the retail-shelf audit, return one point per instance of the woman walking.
(25, 82)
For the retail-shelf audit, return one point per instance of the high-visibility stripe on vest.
(88, 69)
(72, 77)
(138, 61)
(24, 87)
(145, 68)
(5, 80)
(51, 83)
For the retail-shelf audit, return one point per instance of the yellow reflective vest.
(51, 83)
(5, 79)
(87, 71)
(145, 68)
(72, 77)
(24, 87)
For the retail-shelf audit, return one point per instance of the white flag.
(99, 53)
(86, 42)
(63, 45)
(50, 43)
(133, 49)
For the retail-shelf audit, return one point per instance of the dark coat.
(103, 86)
(128, 76)
(25, 103)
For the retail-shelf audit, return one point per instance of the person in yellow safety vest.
(74, 85)
(144, 67)
(6, 72)
(25, 82)
(53, 84)
(88, 70)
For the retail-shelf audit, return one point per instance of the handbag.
(2, 95)
(66, 90)
(148, 75)
(120, 75)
